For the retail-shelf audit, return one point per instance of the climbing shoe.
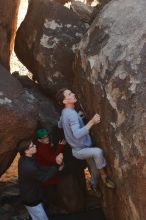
(108, 183)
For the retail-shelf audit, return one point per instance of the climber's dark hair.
(60, 96)
(23, 146)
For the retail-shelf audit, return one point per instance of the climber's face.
(44, 140)
(69, 97)
(31, 150)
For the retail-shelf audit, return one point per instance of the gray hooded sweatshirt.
(76, 134)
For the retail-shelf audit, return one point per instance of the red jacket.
(45, 156)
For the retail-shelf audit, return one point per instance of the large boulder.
(45, 43)
(48, 114)
(100, 3)
(18, 117)
(85, 12)
(62, 1)
(8, 21)
(110, 78)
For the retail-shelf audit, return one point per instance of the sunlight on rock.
(15, 64)
(12, 172)
(87, 2)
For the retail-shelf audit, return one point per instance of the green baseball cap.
(42, 132)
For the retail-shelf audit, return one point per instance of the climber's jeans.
(94, 157)
(37, 212)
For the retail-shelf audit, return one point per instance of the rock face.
(110, 77)
(85, 12)
(45, 43)
(48, 114)
(8, 20)
(18, 117)
(62, 1)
